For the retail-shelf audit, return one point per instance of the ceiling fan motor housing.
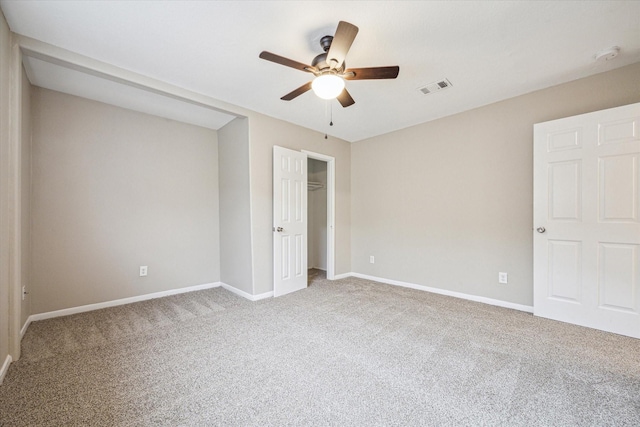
(320, 63)
(325, 42)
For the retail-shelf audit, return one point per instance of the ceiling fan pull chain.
(331, 112)
(326, 113)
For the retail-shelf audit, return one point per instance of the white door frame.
(15, 204)
(331, 209)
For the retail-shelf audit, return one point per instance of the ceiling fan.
(329, 67)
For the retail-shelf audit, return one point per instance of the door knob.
(279, 229)
(541, 229)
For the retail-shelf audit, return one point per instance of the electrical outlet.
(143, 270)
(372, 260)
(503, 278)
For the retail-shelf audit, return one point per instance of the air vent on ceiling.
(435, 86)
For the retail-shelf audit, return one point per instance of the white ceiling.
(488, 50)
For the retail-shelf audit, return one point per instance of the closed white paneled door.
(289, 220)
(587, 220)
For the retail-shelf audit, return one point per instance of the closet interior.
(317, 214)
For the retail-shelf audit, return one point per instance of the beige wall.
(235, 215)
(5, 114)
(448, 204)
(264, 133)
(25, 185)
(113, 190)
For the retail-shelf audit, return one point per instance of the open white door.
(587, 220)
(289, 221)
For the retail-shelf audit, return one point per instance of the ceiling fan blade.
(295, 93)
(342, 40)
(372, 73)
(345, 98)
(286, 61)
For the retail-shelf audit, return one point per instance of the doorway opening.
(316, 219)
(320, 216)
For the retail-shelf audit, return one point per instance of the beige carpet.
(349, 352)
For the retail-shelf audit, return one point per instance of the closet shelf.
(313, 185)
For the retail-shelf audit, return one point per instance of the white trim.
(331, 209)
(114, 303)
(25, 327)
(246, 294)
(5, 368)
(15, 200)
(342, 276)
(252, 228)
(476, 298)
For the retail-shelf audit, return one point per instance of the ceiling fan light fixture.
(330, 69)
(328, 86)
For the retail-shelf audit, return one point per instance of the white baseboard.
(246, 294)
(343, 276)
(114, 303)
(25, 327)
(485, 300)
(264, 295)
(5, 367)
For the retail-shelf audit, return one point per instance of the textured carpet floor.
(349, 352)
